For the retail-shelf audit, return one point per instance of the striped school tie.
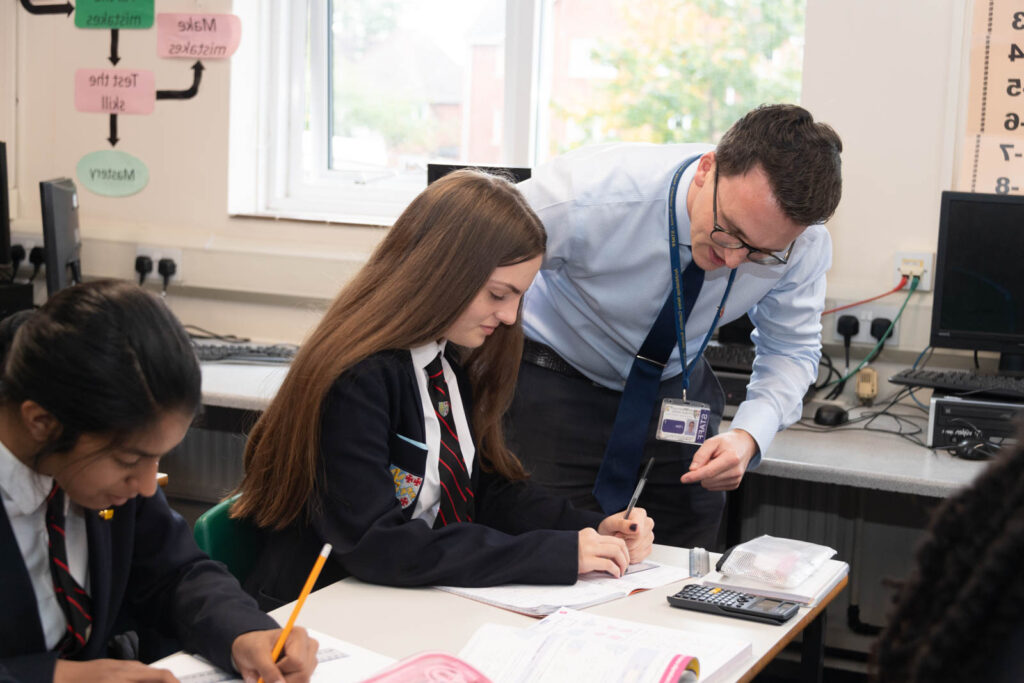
(75, 602)
(456, 494)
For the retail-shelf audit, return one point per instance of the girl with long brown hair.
(386, 438)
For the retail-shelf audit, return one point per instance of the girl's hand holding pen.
(252, 655)
(637, 531)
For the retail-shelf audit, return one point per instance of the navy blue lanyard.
(677, 282)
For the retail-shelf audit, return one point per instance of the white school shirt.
(429, 497)
(24, 493)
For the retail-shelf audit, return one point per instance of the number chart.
(992, 158)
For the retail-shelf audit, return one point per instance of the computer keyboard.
(730, 357)
(962, 382)
(244, 353)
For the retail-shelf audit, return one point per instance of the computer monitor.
(61, 240)
(14, 296)
(5, 219)
(978, 301)
(516, 174)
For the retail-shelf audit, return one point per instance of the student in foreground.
(96, 386)
(959, 615)
(386, 439)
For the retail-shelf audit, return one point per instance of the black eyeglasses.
(729, 240)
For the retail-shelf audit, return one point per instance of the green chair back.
(235, 542)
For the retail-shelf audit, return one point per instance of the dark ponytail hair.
(105, 357)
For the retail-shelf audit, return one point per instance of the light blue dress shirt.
(606, 275)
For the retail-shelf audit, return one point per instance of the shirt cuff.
(760, 422)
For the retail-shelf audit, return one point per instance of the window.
(355, 97)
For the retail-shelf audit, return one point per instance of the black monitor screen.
(979, 285)
(5, 211)
(61, 239)
(518, 175)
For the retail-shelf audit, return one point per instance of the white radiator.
(876, 532)
(205, 467)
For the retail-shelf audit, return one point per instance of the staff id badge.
(683, 421)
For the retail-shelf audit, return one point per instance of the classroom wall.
(886, 75)
(882, 73)
(262, 278)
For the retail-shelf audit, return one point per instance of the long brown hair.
(441, 251)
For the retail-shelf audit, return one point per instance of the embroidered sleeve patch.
(407, 486)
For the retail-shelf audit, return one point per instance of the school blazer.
(365, 496)
(143, 565)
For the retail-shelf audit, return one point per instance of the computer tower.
(952, 419)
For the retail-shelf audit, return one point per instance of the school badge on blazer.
(407, 486)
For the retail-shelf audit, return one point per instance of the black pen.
(639, 487)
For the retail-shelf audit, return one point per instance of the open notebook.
(590, 589)
(337, 661)
(581, 646)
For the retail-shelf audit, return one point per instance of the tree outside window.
(668, 70)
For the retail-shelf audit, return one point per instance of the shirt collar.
(21, 486)
(423, 354)
(682, 215)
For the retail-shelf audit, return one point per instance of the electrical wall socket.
(28, 241)
(157, 253)
(914, 263)
(865, 313)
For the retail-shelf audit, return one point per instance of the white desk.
(399, 622)
(862, 459)
(244, 386)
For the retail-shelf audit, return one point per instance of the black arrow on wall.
(66, 8)
(113, 131)
(114, 59)
(197, 75)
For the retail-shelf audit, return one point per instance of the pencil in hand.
(325, 552)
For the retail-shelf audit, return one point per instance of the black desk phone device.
(730, 603)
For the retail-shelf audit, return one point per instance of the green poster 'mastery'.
(112, 173)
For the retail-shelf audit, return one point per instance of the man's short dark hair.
(800, 157)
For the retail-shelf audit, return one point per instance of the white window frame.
(267, 97)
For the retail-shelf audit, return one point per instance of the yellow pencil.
(306, 590)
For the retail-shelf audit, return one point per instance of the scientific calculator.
(731, 603)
